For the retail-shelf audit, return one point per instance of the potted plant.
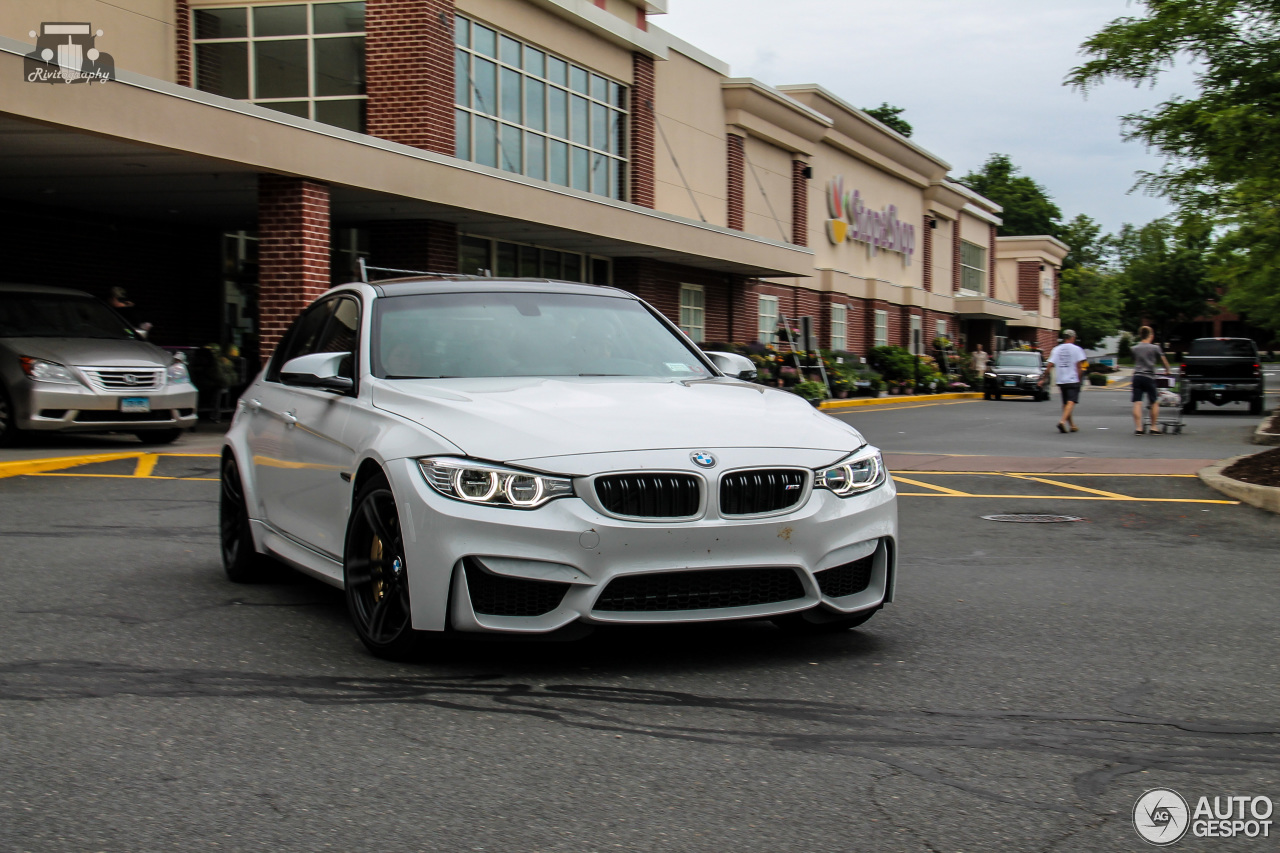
(814, 392)
(1097, 379)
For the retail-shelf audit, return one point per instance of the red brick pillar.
(182, 42)
(799, 203)
(926, 252)
(955, 255)
(409, 72)
(737, 159)
(1029, 285)
(293, 252)
(991, 262)
(419, 245)
(643, 131)
(744, 318)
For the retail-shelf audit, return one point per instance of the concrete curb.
(828, 405)
(1263, 497)
(1261, 436)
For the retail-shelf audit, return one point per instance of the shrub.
(811, 391)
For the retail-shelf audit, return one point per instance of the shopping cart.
(1170, 399)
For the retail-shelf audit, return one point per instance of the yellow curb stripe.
(1049, 482)
(1067, 498)
(888, 401)
(37, 466)
(879, 409)
(146, 464)
(941, 489)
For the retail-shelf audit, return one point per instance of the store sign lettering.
(852, 221)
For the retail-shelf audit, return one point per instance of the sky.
(975, 77)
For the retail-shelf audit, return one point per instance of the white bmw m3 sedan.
(519, 457)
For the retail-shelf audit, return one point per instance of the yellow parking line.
(1067, 498)
(146, 464)
(1069, 486)
(36, 466)
(119, 476)
(941, 489)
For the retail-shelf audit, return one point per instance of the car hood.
(90, 352)
(506, 420)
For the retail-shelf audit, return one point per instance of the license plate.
(1011, 383)
(1217, 387)
(135, 404)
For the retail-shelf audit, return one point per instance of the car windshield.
(1017, 359)
(468, 335)
(58, 315)
(1223, 348)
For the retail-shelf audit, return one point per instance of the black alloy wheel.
(239, 559)
(8, 421)
(376, 576)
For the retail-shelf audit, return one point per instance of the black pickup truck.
(1222, 370)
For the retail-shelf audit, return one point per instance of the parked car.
(69, 363)
(1223, 370)
(519, 457)
(1015, 372)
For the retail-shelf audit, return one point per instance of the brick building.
(249, 154)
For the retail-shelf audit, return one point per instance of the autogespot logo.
(1160, 816)
(66, 52)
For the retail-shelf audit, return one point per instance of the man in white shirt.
(1066, 363)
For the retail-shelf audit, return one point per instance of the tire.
(158, 436)
(376, 576)
(800, 625)
(999, 396)
(241, 562)
(986, 395)
(1189, 407)
(8, 421)
(1255, 405)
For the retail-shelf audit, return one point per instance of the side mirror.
(732, 364)
(318, 370)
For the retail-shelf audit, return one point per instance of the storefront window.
(973, 267)
(483, 256)
(917, 334)
(692, 313)
(304, 59)
(767, 329)
(839, 327)
(525, 111)
(882, 329)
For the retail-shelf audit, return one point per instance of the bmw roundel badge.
(703, 459)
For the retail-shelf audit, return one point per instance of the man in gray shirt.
(1145, 354)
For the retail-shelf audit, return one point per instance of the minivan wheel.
(8, 421)
(376, 575)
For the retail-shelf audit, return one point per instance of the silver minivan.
(70, 363)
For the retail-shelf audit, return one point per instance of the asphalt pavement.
(1029, 683)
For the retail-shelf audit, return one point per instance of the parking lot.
(1030, 681)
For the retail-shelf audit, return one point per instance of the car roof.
(6, 287)
(417, 285)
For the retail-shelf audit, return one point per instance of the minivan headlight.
(861, 472)
(177, 372)
(47, 371)
(492, 485)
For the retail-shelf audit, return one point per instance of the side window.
(301, 337)
(341, 334)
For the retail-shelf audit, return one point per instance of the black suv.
(1015, 373)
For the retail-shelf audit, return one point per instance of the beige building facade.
(244, 156)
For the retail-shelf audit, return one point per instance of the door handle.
(253, 405)
(290, 418)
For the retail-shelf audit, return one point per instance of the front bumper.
(568, 542)
(80, 408)
(1021, 385)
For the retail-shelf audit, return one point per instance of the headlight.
(990, 376)
(861, 472)
(177, 372)
(47, 371)
(492, 485)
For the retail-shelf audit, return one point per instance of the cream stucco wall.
(138, 34)
(1007, 280)
(767, 190)
(878, 190)
(532, 24)
(691, 112)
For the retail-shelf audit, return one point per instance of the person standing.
(1066, 362)
(980, 361)
(1144, 379)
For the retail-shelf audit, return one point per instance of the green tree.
(1089, 246)
(1091, 301)
(891, 117)
(1028, 209)
(1163, 267)
(1222, 145)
